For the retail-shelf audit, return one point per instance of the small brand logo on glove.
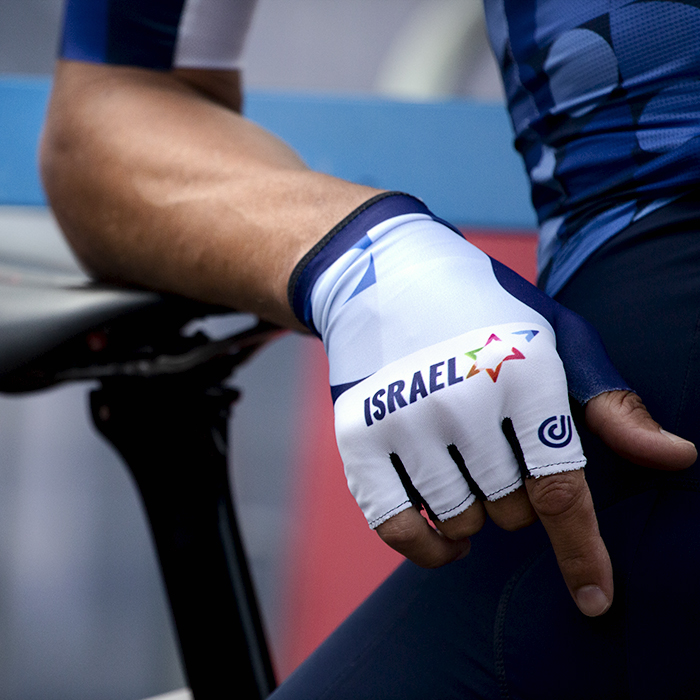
(556, 431)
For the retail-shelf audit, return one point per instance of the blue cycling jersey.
(604, 96)
(159, 35)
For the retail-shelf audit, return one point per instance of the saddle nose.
(45, 296)
(58, 324)
(39, 312)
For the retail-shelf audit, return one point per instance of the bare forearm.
(160, 184)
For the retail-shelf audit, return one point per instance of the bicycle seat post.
(172, 432)
(164, 406)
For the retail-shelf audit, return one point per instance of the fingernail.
(673, 438)
(591, 601)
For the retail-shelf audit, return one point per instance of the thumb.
(622, 421)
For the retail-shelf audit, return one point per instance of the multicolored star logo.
(497, 355)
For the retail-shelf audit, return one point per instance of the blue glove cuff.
(347, 234)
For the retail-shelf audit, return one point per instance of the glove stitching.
(556, 464)
(449, 510)
(380, 519)
(504, 488)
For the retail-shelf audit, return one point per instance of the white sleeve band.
(212, 33)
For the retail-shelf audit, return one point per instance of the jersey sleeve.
(160, 34)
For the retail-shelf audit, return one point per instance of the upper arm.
(125, 65)
(198, 42)
(200, 34)
(138, 48)
(157, 181)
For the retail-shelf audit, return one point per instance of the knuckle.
(432, 560)
(399, 533)
(636, 411)
(465, 524)
(512, 521)
(512, 512)
(410, 536)
(627, 403)
(622, 405)
(575, 564)
(557, 495)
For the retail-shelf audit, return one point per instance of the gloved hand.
(449, 374)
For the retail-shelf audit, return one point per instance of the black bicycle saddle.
(58, 324)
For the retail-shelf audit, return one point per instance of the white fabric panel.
(465, 408)
(212, 33)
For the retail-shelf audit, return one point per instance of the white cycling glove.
(445, 365)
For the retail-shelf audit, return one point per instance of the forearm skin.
(157, 181)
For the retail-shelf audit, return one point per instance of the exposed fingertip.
(685, 450)
(675, 439)
(591, 601)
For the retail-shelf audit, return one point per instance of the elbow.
(54, 156)
(68, 173)
(58, 156)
